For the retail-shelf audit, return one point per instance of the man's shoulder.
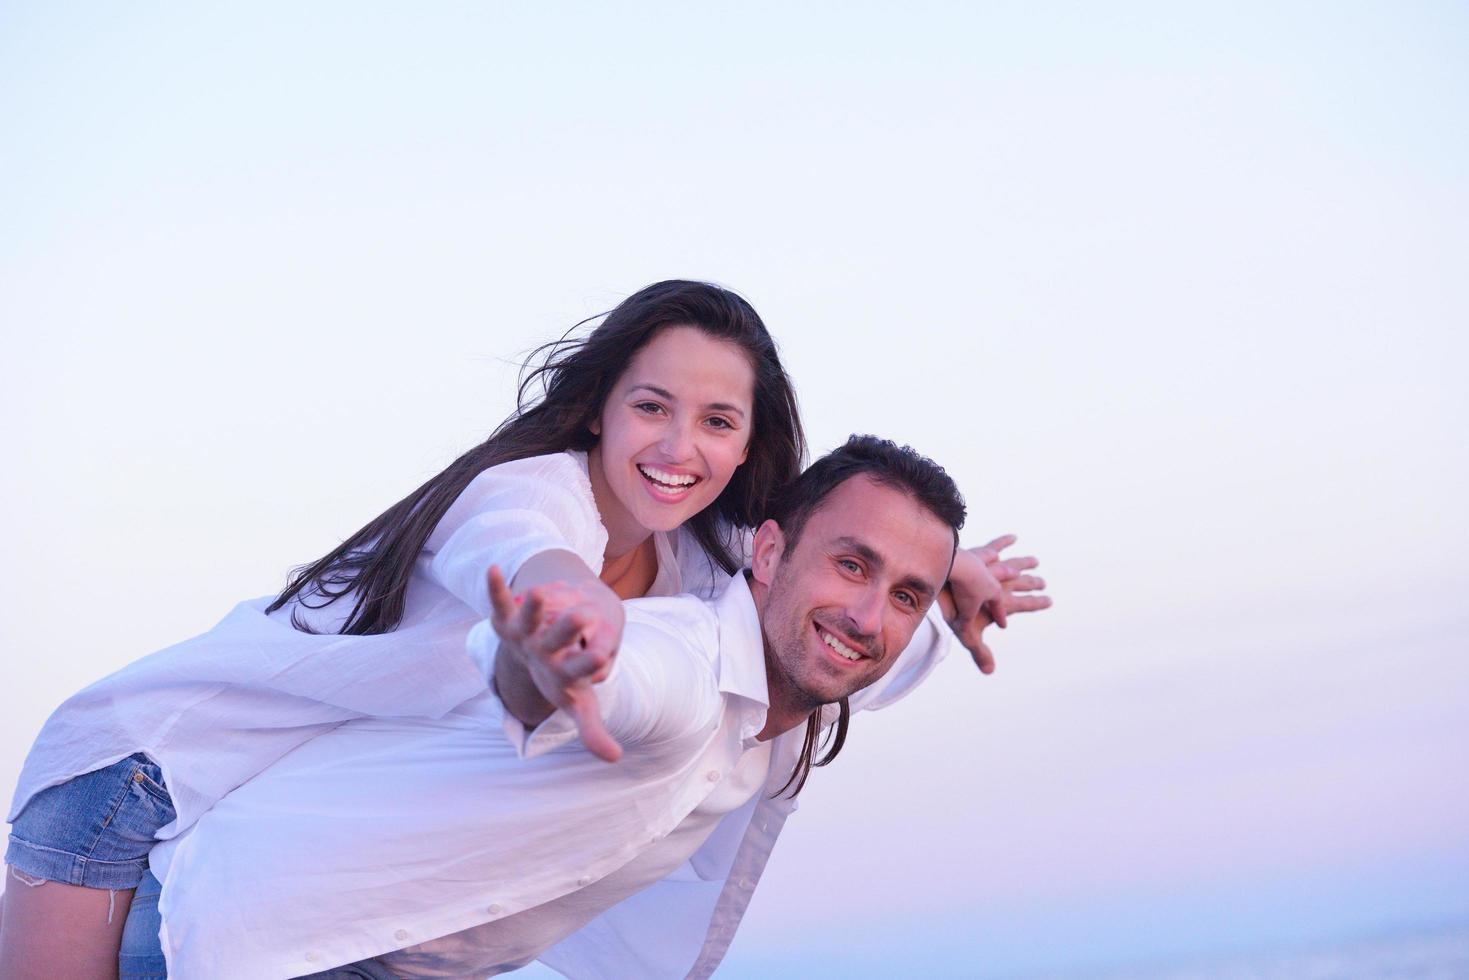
(683, 619)
(716, 629)
(667, 673)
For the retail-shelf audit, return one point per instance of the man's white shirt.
(384, 834)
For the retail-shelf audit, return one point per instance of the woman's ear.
(765, 554)
(595, 425)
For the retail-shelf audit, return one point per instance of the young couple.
(399, 726)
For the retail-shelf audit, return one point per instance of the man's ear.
(770, 543)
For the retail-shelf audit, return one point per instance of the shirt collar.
(741, 643)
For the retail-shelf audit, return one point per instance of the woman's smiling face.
(674, 428)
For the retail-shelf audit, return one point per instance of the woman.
(658, 438)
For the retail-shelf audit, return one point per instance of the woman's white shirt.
(219, 708)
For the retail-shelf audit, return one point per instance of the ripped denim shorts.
(95, 830)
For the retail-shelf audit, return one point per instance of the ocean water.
(1439, 954)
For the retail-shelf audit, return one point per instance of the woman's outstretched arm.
(555, 643)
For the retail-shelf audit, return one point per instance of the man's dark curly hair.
(885, 463)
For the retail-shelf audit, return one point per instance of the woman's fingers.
(984, 659)
(560, 634)
(568, 645)
(585, 711)
(564, 672)
(1028, 603)
(999, 544)
(976, 588)
(994, 606)
(502, 603)
(1010, 567)
(529, 618)
(578, 669)
(971, 634)
(1015, 595)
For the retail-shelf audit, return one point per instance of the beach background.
(1178, 295)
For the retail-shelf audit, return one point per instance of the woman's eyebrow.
(668, 395)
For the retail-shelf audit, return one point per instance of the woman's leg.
(76, 853)
(66, 932)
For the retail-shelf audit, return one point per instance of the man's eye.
(849, 565)
(908, 599)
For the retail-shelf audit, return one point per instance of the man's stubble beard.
(787, 653)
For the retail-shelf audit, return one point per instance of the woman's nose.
(678, 442)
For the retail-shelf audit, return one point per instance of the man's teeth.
(840, 647)
(667, 479)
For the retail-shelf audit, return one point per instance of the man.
(472, 844)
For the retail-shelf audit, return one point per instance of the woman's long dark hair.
(575, 375)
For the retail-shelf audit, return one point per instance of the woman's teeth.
(839, 646)
(671, 482)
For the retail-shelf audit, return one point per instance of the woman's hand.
(557, 639)
(985, 588)
(564, 569)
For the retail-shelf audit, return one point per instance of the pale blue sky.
(1176, 294)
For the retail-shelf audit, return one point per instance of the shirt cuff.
(529, 743)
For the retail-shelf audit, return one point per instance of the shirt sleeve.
(509, 513)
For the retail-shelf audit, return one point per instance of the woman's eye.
(719, 422)
(649, 408)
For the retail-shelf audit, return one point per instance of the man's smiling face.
(845, 600)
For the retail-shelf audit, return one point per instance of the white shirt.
(220, 708)
(386, 832)
(504, 944)
(215, 710)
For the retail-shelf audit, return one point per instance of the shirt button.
(494, 909)
(312, 956)
(401, 934)
(714, 775)
(584, 880)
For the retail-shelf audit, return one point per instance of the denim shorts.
(141, 955)
(95, 830)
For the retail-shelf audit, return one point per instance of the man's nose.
(865, 610)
